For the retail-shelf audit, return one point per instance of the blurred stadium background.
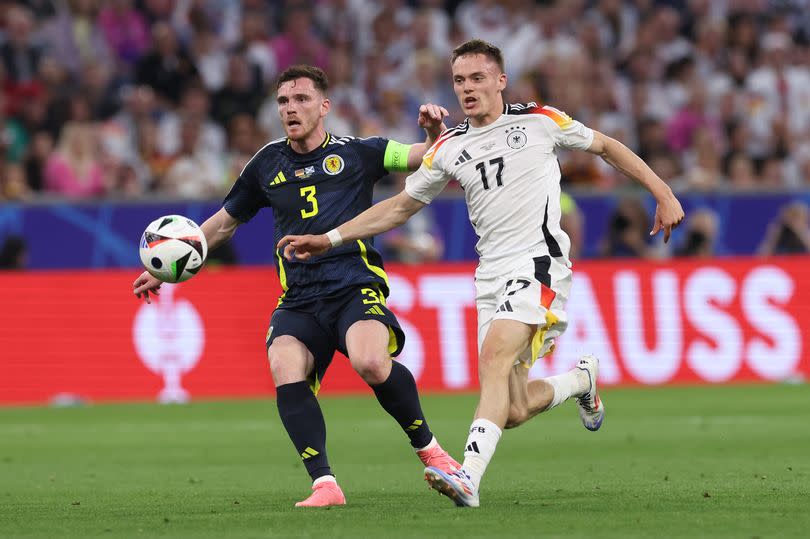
(113, 113)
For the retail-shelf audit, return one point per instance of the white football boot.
(455, 485)
(591, 407)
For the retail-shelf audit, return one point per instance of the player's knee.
(491, 364)
(373, 367)
(288, 360)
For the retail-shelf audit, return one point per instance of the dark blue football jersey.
(311, 194)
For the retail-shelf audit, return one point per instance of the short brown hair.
(302, 71)
(479, 46)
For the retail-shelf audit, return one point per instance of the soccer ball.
(173, 248)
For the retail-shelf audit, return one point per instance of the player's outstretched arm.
(431, 119)
(668, 211)
(218, 229)
(381, 217)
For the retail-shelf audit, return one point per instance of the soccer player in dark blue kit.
(315, 181)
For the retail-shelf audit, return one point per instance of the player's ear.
(502, 82)
(325, 106)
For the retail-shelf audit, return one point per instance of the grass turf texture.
(669, 462)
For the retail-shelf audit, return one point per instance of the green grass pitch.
(668, 462)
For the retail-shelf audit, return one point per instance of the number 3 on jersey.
(309, 195)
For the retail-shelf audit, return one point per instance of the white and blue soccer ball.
(173, 248)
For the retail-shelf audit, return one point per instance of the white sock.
(484, 436)
(433, 443)
(573, 383)
(324, 479)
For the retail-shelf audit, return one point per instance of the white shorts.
(534, 293)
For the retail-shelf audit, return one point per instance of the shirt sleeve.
(565, 131)
(428, 181)
(373, 151)
(245, 198)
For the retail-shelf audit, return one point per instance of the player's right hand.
(431, 116)
(144, 284)
(304, 247)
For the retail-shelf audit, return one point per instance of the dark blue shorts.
(322, 325)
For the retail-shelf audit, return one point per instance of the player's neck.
(312, 141)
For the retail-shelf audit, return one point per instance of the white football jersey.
(511, 180)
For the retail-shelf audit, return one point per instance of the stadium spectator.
(125, 30)
(789, 233)
(13, 137)
(13, 253)
(242, 92)
(13, 184)
(210, 59)
(740, 172)
(73, 36)
(704, 170)
(21, 55)
(784, 89)
(255, 44)
(244, 140)
(99, 90)
(74, 169)
(628, 230)
(149, 154)
(195, 104)
(37, 155)
(297, 43)
(700, 234)
(168, 67)
(195, 173)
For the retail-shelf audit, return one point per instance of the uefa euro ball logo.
(169, 338)
(333, 164)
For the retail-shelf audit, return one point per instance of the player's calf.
(518, 414)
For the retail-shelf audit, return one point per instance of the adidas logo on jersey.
(463, 158)
(280, 178)
(376, 310)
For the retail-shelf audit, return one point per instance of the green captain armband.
(396, 156)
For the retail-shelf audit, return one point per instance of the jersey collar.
(326, 141)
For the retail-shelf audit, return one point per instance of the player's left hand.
(668, 215)
(304, 247)
(431, 116)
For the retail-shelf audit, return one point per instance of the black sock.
(398, 396)
(302, 417)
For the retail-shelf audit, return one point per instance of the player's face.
(301, 107)
(478, 83)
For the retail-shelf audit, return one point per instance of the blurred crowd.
(169, 98)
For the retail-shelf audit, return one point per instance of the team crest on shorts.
(333, 164)
(515, 137)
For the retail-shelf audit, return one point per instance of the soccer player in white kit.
(504, 157)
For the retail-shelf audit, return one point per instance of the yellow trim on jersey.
(374, 269)
(282, 277)
(325, 142)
